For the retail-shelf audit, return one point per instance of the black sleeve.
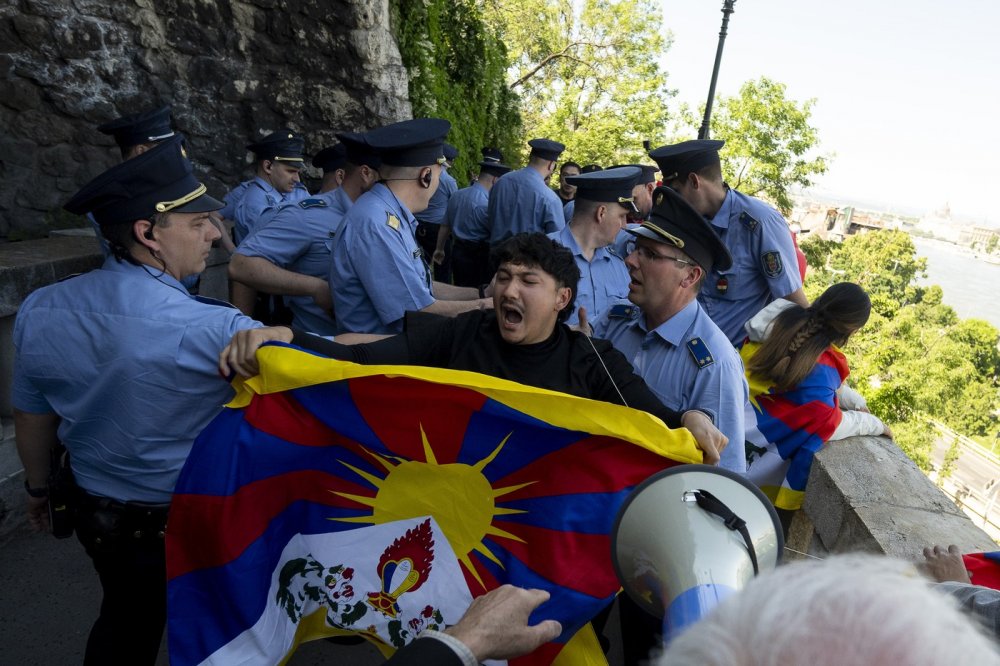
(390, 351)
(633, 388)
(425, 651)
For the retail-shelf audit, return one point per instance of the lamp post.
(727, 9)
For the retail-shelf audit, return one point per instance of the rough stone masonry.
(232, 69)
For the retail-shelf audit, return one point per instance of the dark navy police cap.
(591, 168)
(331, 158)
(160, 180)
(146, 127)
(682, 158)
(358, 151)
(417, 142)
(450, 152)
(648, 172)
(546, 149)
(609, 185)
(492, 154)
(674, 222)
(494, 168)
(281, 146)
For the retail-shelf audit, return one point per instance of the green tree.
(588, 73)
(770, 143)
(915, 360)
(457, 65)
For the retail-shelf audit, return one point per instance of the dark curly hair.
(538, 250)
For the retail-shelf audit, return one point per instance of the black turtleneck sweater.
(565, 362)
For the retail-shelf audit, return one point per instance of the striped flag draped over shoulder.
(789, 427)
(330, 498)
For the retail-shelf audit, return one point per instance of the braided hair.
(799, 335)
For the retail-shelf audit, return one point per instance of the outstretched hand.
(240, 355)
(496, 625)
(944, 565)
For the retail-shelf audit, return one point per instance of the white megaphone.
(690, 536)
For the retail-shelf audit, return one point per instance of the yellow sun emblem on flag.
(459, 497)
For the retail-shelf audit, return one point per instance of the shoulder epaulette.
(747, 219)
(312, 203)
(623, 311)
(392, 220)
(700, 353)
(69, 277)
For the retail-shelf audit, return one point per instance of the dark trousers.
(133, 575)
(427, 235)
(470, 263)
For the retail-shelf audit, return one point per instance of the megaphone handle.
(714, 505)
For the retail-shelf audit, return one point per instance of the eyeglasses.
(648, 255)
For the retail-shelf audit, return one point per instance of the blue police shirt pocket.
(723, 285)
(615, 291)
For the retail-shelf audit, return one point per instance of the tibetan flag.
(788, 428)
(984, 568)
(330, 498)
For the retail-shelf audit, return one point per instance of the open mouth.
(511, 315)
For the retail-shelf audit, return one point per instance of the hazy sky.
(907, 92)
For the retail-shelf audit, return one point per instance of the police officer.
(279, 161)
(642, 194)
(603, 202)
(466, 219)
(332, 161)
(569, 206)
(521, 201)
(764, 262)
(429, 220)
(119, 365)
(135, 134)
(686, 360)
(378, 273)
(289, 254)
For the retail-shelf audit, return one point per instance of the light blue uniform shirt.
(603, 280)
(378, 272)
(232, 199)
(437, 207)
(622, 239)
(568, 210)
(129, 360)
(664, 358)
(299, 237)
(522, 202)
(467, 213)
(258, 197)
(764, 264)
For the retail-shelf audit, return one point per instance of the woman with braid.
(799, 399)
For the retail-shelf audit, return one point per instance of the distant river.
(971, 286)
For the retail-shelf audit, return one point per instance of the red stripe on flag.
(394, 420)
(814, 417)
(592, 465)
(217, 529)
(556, 555)
(281, 415)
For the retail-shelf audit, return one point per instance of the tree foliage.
(915, 359)
(770, 144)
(588, 73)
(457, 65)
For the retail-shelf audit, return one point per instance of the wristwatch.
(37, 493)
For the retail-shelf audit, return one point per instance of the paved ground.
(49, 596)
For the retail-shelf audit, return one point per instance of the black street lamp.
(727, 9)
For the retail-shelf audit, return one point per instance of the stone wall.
(233, 70)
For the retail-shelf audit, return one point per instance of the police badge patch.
(770, 262)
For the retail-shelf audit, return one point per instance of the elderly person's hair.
(798, 335)
(852, 609)
(538, 250)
